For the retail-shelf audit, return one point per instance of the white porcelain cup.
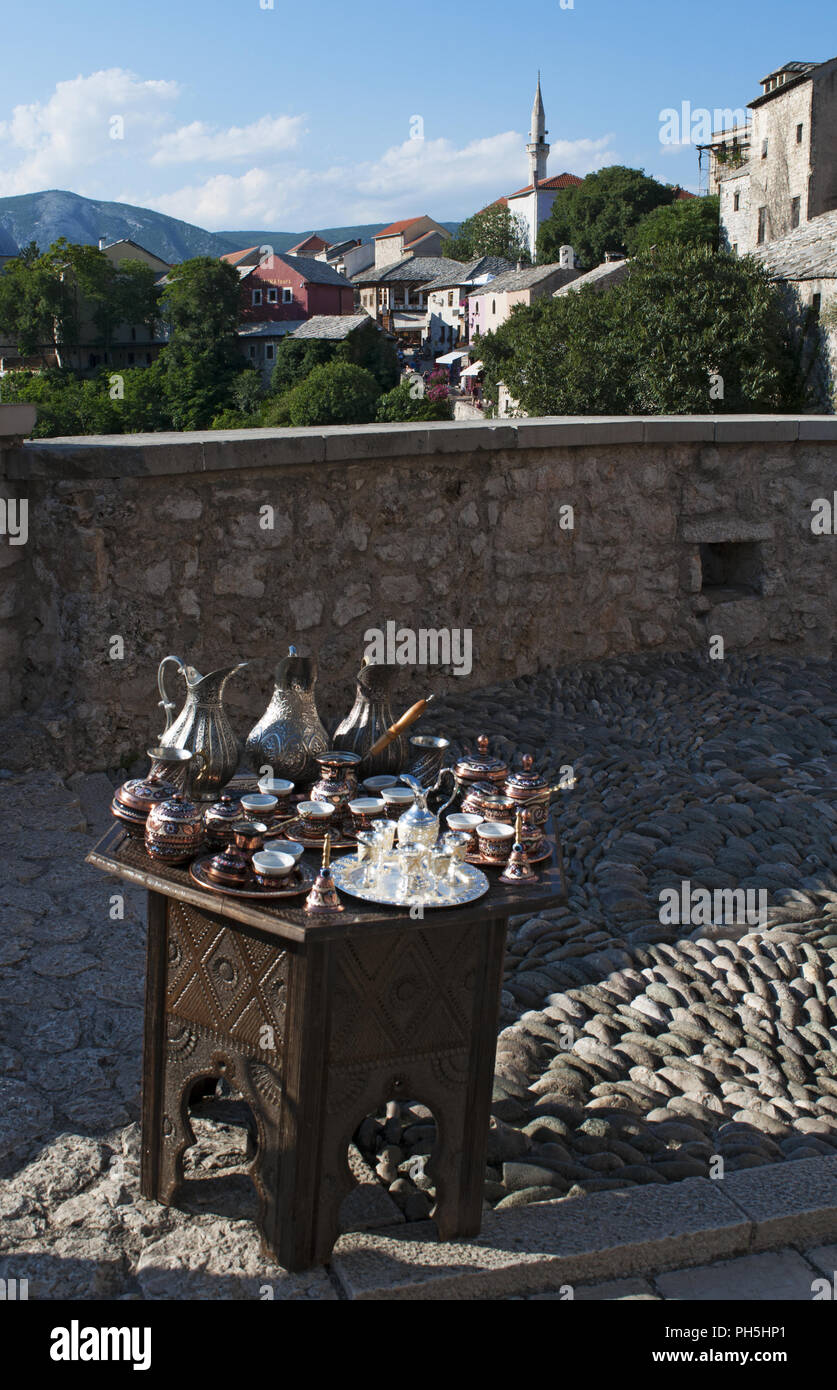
(276, 786)
(292, 847)
(398, 798)
(316, 815)
(495, 840)
(258, 805)
(465, 824)
(272, 864)
(376, 784)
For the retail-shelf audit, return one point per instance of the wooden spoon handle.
(413, 713)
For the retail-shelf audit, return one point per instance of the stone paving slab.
(774, 1275)
(788, 1202)
(549, 1244)
(824, 1259)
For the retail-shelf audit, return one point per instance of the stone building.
(784, 172)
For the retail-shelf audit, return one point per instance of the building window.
(130, 359)
(257, 298)
(494, 306)
(796, 204)
(764, 149)
(735, 248)
(287, 296)
(736, 202)
(799, 135)
(133, 335)
(762, 226)
(252, 349)
(450, 296)
(148, 359)
(273, 296)
(731, 569)
(816, 305)
(269, 352)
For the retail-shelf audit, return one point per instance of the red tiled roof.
(682, 193)
(311, 243)
(559, 181)
(395, 227)
(234, 256)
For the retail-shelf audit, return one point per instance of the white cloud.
(200, 142)
(68, 141)
(411, 178)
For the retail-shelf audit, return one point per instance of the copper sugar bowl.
(174, 830)
(135, 798)
(338, 778)
(219, 819)
(528, 788)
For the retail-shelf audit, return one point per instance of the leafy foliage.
(493, 232)
(334, 393)
(686, 222)
(599, 214)
(367, 347)
(683, 319)
(406, 402)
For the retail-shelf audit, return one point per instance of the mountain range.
(43, 217)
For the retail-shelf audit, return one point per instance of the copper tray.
(293, 830)
(302, 885)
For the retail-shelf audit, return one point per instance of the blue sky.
(239, 116)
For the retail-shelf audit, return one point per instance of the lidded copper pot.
(135, 798)
(528, 788)
(481, 766)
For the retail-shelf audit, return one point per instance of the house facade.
(789, 175)
(491, 305)
(279, 288)
(447, 299)
(395, 295)
(414, 236)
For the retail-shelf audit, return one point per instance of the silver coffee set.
(310, 797)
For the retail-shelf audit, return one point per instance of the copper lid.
(141, 793)
(227, 809)
(177, 808)
(527, 783)
(481, 767)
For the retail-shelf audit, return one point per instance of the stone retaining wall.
(161, 540)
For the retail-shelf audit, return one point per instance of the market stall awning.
(449, 358)
(473, 370)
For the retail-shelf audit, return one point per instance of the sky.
(263, 114)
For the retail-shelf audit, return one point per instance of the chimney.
(103, 241)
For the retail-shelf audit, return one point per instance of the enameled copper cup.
(495, 841)
(365, 811)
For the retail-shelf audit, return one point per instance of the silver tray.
(347, 872)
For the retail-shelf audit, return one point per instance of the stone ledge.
(609, 1235)
(98, 456)
(549, 1244)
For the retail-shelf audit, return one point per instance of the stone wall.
(160, 540)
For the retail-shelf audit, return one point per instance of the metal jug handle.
(452, 796)
(165, 703)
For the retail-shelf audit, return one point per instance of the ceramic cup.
(272, 868)
(397, 800)
(364, 811)
(258, 806)
(316, 817)
(495, 841)
(375, 785)
(466, 825)
(282, 789)
(292, 847)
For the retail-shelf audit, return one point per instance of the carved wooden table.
(318, 1022)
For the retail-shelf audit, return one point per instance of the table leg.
(154, 1047)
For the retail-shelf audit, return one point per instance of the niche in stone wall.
(731, 570)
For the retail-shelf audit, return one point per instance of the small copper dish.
(135, 798)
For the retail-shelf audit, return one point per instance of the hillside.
(44, 217)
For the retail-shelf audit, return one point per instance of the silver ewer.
(202, 726)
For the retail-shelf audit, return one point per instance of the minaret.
(537, 149)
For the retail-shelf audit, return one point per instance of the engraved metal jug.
(202, 726)
(289, 734)
(369, 718)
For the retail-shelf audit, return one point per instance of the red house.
(278, 288)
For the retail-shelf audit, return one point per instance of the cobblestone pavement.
(633, 1051)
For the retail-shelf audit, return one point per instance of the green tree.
(135, 295)
(366, 347)
(406, 402)
(599, 214)
(295, 358)
(688, 332)
(201, 305)
(685, 222)
(493, 232)
(335, 393)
